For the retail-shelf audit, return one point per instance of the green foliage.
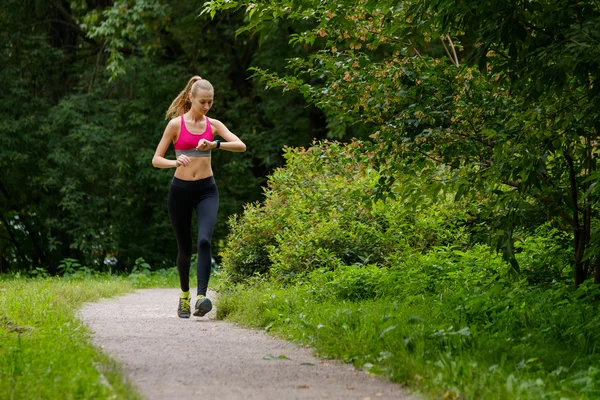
(318, 213)
(45, 350)
(552, 46)
(545, 255)
(89, 132)
(405, 287)
(141, 266)
(246, 251)
(402, 288)
(517, 133)
(124, 25)
(71, 268)
(101, 209)
(142, 276)
(450, 323)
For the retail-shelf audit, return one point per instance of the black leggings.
(184, 197)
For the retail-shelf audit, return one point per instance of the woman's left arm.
(232, 143)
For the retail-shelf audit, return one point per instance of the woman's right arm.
(159, 160)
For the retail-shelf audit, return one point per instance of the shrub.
(319, 212)
(246, 252)
(545, 255)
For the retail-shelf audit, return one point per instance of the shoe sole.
(203, 308)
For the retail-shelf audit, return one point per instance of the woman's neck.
(195, 116)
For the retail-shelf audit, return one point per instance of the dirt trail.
(200, 358)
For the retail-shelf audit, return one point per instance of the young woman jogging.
(193, 187)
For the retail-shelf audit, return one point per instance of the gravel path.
(201, 358)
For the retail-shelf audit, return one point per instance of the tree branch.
(453, 51)
(448, 52)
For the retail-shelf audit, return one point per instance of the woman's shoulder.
(214, 122)
(175, 122)
(173, 127)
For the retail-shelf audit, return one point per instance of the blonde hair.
(182, 103)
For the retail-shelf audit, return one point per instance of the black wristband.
(218, 143)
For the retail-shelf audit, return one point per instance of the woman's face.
(202, 100)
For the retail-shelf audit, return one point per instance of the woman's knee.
(203, 244)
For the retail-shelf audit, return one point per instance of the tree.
(508, 116)
(39, 46)
(75, 146)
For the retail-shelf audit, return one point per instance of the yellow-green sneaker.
(183, 311)
(203, 306)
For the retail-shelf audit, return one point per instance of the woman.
(193, 186)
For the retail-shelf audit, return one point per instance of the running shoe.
(183, 311)
(203, 306)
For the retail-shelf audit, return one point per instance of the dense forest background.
(76, 178)
(495, 103)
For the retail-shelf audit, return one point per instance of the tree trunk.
(579, 234)
(13, 239)
(62, 35)
(582, 267)
(597, 273)
(40, 256)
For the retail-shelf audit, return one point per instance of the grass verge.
(527, 349)
(45, 350)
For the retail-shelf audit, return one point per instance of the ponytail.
(182, 104)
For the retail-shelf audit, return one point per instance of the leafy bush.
(319, 213)
(545, 255)
(247, 252)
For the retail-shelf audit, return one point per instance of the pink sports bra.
(186, 142)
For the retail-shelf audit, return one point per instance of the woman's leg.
(180, 213)
(206, 211)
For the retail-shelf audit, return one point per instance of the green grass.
(525, 352)
(45, 351)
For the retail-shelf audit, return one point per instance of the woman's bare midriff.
(198, 169)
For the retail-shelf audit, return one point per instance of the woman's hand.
(204, 144)
(182, 160)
